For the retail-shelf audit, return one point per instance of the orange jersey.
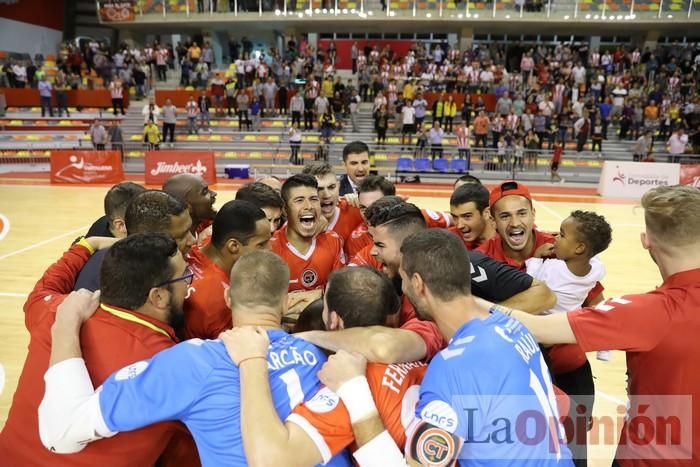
(395, 390)
(345, 220)
(359, 239)
(206, 312)
(310, 270)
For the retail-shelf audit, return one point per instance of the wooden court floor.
(38, 222)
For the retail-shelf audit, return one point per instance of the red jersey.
(111, 339)
(345, 220)
(310, 270)
(493, 247)
(470, 245)
(365, 258)
(659, 331)
(206, 312)
(359, 239)
(395, 390)
(427, 330)
(436, 219)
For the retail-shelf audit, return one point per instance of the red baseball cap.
(507, 189)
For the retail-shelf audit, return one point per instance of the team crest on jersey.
(435, 447)
(131, 371)
(432, 214)
(309, 277)
(324, 401)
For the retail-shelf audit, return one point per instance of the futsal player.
(469, 206)
(116, 200)
(195, 382)
(266, 198)
(194, 191)
(370, 189)
(239, 228)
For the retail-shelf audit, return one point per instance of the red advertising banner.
(86, 167)
(690, 175)
(161, 165)
(116, 12)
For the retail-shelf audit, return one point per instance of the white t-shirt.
(409, 115)
(570, 289)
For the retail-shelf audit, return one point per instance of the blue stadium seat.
(422, 164)
(441, 165)
(459, 165)
(404, 164)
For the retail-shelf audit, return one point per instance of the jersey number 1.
(294, 391)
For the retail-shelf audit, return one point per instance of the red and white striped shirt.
(673, 82)
(559, 90)
(595, 59)
(392, 93)
(512, 122)
(635, 57)
(474, 77)
(312, 89)
(116, 90)
(361, 61)
(463, 134)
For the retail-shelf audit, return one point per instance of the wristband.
(357, 398)
(251, 358)
(84, 243)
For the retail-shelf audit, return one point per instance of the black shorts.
(408, 128)
(555, 166)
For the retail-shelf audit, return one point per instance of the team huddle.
(296, 326)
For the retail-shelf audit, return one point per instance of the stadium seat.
(422, 164)
(459, 165)
(404, 164)
(441, 165)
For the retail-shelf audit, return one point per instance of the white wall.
(21, 37)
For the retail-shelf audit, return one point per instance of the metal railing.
(607, 11)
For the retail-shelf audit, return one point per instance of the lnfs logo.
(620, 177)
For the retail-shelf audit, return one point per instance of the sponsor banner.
(86, 167)
(633, 179)
(690, 175)
(161, 165)
(116, 12)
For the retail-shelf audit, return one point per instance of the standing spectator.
(192, 113)
(481, 129)
(204, 104)
(497, 125)
(642, 147)
(117, 92)
(439, 109)
(45, 90)
(676, 146)
(243, 102)
(294, 143)
(116, 137)
(327, 123)
(381, 122)
(354, 110)
(208, 56)
(270, 89)
(556, 160)
(62, 88)
(539, 124)
(435, 137)
(421, 106)
(321, 105)
(463, 144)
(450, 111)
(98, 135)
(597, 136)
(162, 63)
(282, 97)
(20, 74)
(194, 53)
(218, 92)
(169, 121)
(150, 112)
(296, 106)
(582, 128)
(408, 120)
(151, 136)
(230, 87)
(139, 77)
(532, 143)
(255, 113)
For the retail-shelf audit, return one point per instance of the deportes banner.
(161, 165)
(690, 175)
(86, 167)
(633, 179)
(115, 12)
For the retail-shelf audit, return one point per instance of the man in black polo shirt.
(116, 200)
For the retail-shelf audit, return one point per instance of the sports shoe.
(604, 355)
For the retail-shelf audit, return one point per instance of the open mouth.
(516, 236)
(327, 207)
(307, 221)
(467, 235)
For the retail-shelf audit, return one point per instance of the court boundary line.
(14, 294)
(44, 242)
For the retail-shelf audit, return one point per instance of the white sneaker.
(604, 355)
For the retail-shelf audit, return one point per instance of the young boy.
(576, 269)
(556, 160)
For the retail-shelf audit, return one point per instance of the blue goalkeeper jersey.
(491, 387)
(197, 383)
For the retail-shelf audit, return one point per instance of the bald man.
(194, 191)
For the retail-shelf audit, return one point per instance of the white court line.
(13, 294)
(546, 208)
(610, 398)
(6, 226)
(44, 242)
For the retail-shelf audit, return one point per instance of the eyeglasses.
(187, 277)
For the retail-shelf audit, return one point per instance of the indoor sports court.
(42, 220)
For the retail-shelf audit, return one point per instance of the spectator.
(116, 137)
(243, 104)
(62, 87)
(408, 120)
(98, 135)
(295, 144)
(230, 88)
(642, 147)
(152, 136)
(116, 90)
(218, 92)
(150, 112)
(270, 90)
(204, 104)
(435, 137)
(192, 113)
(255, 113)
(582, 127)
(381, 122)
(676, 146)
(296, 106)
(45, 90)
(169, 122)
